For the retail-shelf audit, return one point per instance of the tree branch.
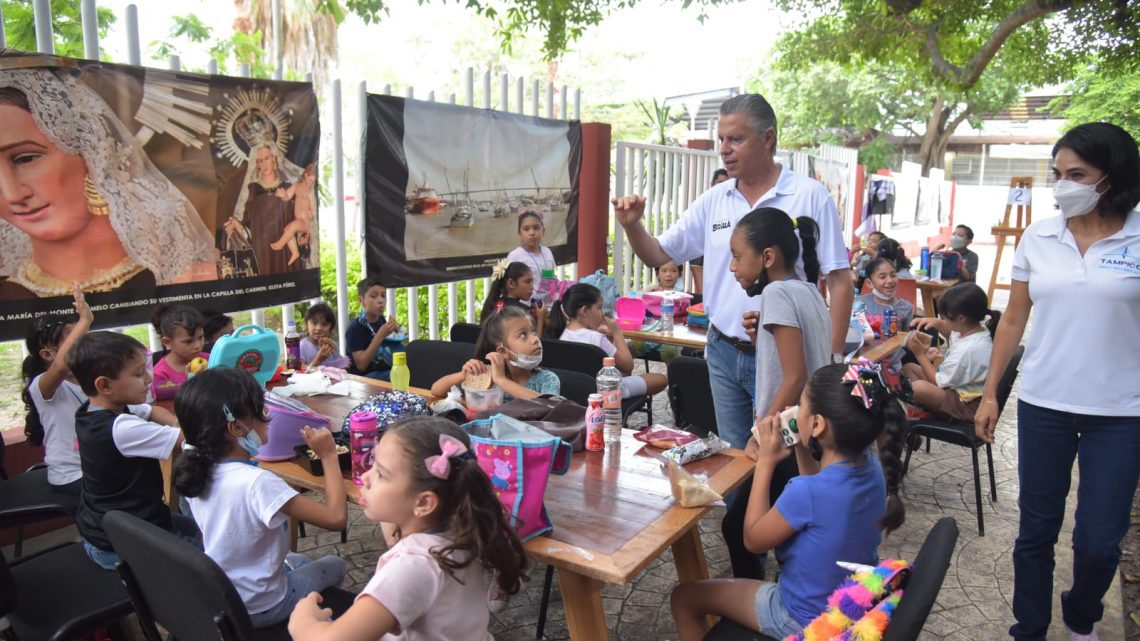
(966, 76)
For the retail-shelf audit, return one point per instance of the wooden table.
(885, 348)
(931, 290)
(682, 336)
(613, 514)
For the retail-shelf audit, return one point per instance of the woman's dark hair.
(969, 300)
(876, 263)
(854, 428)
(766, 227)
(494, 333)
(200, 407)
(477, 525)
(889, 248)
(565, 310)
(1113, 151)
(498, 291)
(45, 332)
(212, 323)
(321, 312)
(168, 318)
(530, 213)
(14, 97)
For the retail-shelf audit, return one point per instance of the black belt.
(742, 346)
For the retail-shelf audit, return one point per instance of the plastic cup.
(481, 400)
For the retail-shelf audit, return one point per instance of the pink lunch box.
(653, 301)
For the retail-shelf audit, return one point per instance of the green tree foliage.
(67, 28)
(241, 47)
(967, 57)
(1097, 96)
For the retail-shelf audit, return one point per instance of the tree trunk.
(939, 128)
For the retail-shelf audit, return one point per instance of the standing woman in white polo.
(1078, 395)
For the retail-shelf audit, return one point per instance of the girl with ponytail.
(836, 510)
(447, 532)
(240, 508)
(953, 389)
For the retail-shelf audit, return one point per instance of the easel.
(1020, 196)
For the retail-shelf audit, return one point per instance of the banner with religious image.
(147, 186)
(445, 185)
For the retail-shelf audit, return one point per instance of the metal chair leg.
(546, 583)
(993, 482)
(301, 529)
(344, 535)
(910, 440)
(978, 492)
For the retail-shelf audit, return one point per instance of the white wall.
(982, 207)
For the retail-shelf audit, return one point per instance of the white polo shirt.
(1083, 352)
(705, 228)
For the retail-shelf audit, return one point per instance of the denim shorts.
(772, 617)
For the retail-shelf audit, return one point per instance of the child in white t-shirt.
(578, 318)
(954, 388)
(446, 528)
(531, 252)
(242, 509)
(52, 396)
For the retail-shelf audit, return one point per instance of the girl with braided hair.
(835, 510)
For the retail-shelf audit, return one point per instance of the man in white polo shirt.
(747, 130)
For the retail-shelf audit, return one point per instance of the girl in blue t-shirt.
(832, 513)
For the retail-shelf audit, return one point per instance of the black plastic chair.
(429, 361)
(58, 594)
(921, 590)
(690, 395)
(963, 434)
(28, 498)
(175, 585)
(465, 332)
(587, 359)
(575, 386)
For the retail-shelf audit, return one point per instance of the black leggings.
(746, 565)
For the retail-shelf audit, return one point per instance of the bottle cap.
(400, 358)
(609, 361)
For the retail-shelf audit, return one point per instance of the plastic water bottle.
(609, 386)
(292, 346)
(401, 377)
(924, 262)
(362, 441)
(936, 267)
(667, 316)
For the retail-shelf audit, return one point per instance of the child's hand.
(916, 345)
(770, 448)
(933, 353)
(389, 328)
(498, 367)
(751, 324)
(86, 316)
(326, 349)
(307, 610)
(474, 368)
(319, 440)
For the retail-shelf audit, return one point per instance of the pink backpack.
(519, 458)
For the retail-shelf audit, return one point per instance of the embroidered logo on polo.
(724, 224)
(1122, 261)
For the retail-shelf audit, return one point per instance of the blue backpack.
(608, 286)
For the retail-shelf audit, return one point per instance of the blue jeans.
(732, 375)
(304, 576)
(772, 616)
(184, 527)
(1108, 449)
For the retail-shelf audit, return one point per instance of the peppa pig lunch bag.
(519, 458)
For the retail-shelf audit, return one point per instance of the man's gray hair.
(761, 116)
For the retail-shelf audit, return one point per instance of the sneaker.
(1091, 636)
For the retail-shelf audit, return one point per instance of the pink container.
(630, 312)
(362, 437)
(681, 302)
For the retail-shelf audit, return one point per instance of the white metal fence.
(541, 102)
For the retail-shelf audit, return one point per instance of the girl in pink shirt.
(182, 330)
(446, 528)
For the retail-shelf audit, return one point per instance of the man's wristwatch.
(837, 358)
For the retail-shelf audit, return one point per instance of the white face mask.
(880, 295)
(1076, 199)
(957, 242)
(525, 361)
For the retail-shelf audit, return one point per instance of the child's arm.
(363, 358)
(764, 527)
(918, 348)
(472, 367)
(941, 326)
(790, 347)
(622, 357)
(503, 379)
(162, 416)
(326, 349)
(366, 620)
(332, 513)
(58, 371)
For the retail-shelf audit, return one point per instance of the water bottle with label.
(667, 316)
(936, 266)
(609, 386)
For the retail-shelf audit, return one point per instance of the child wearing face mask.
(243, 509)
(883, 296)
(960, 242)
(578, 318)
(511, 351)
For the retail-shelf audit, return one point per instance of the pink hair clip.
(439, 465)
